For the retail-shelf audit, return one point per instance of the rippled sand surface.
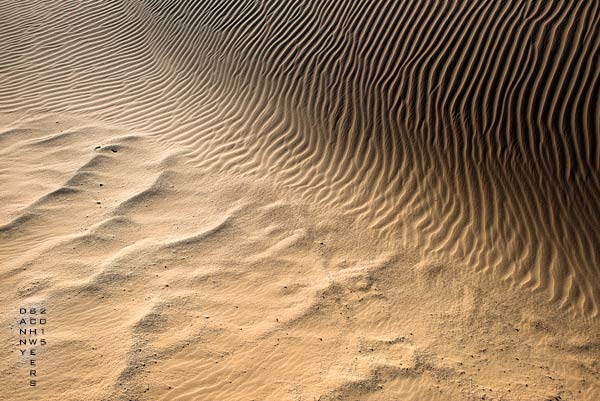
(296, 200)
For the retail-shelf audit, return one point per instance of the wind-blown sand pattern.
(301, 200)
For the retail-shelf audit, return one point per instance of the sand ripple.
(466, 131)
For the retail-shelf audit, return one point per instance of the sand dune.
(298, 200)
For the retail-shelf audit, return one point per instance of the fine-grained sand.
(295, 200)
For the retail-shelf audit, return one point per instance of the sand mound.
(302, 200)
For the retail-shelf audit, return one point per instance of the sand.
(293, 200)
